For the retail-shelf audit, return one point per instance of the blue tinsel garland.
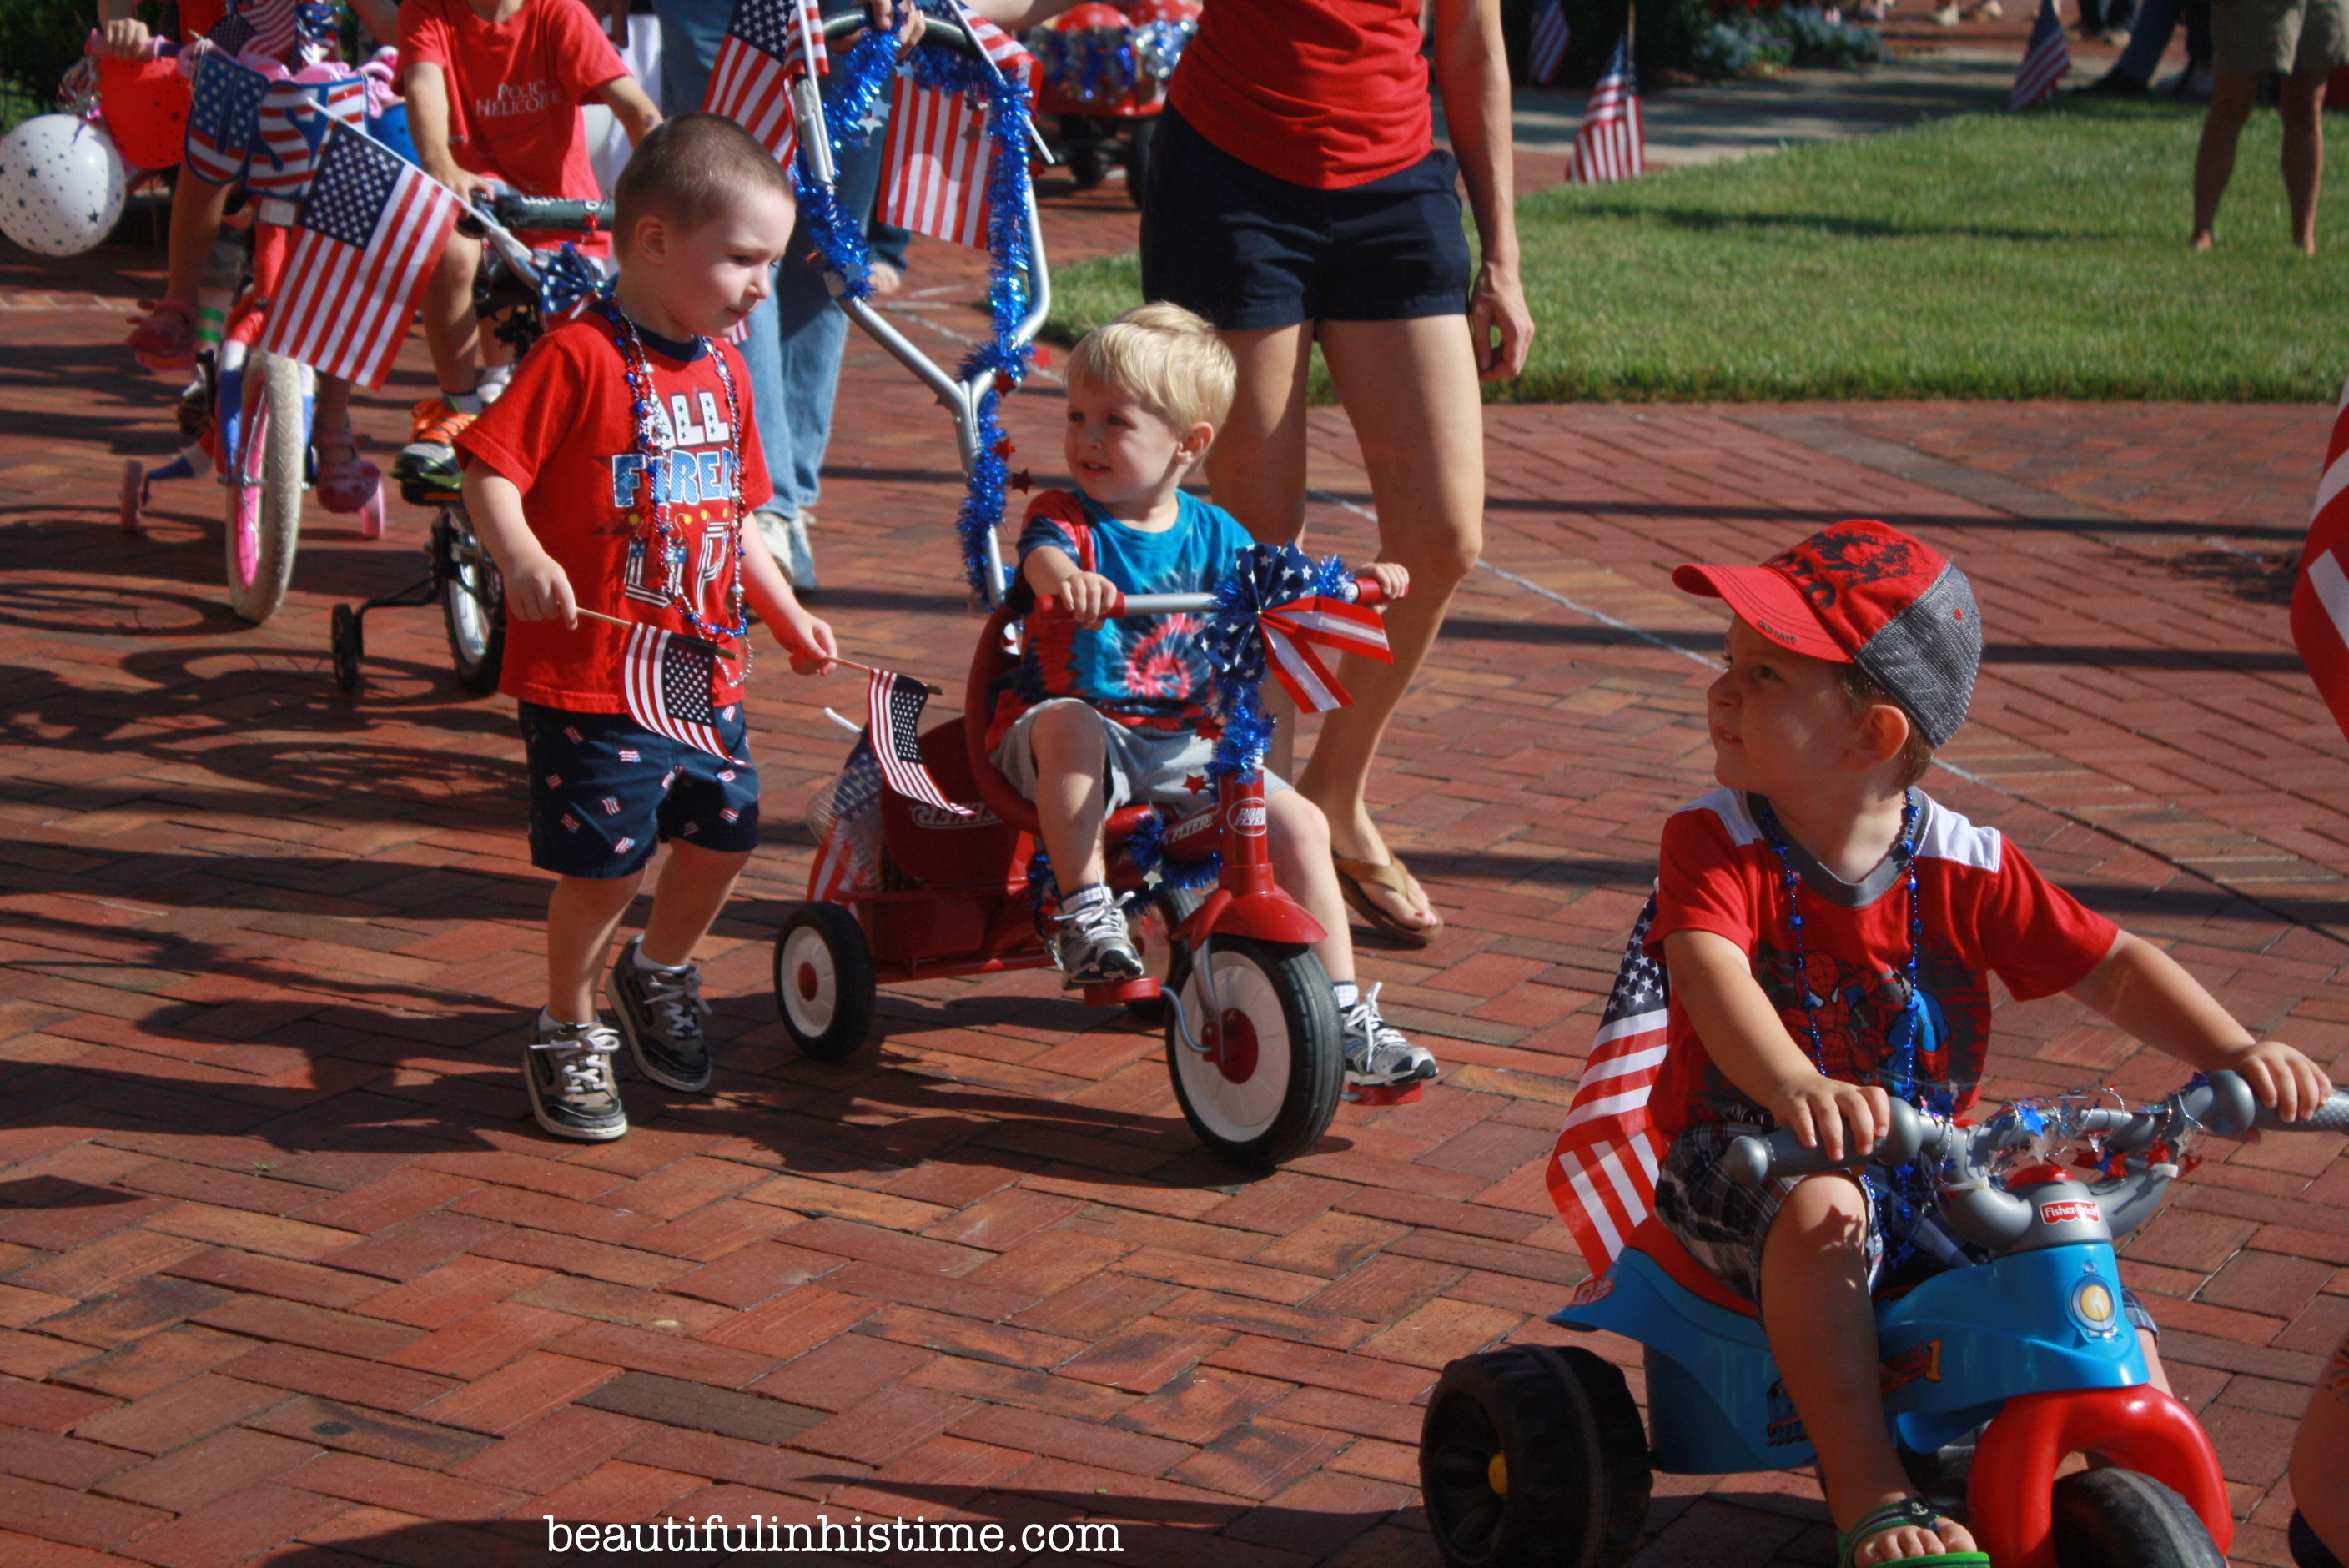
(1267, 575)
(850, 97)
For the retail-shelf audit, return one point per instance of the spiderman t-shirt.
(1144, 670)
(1985, 910)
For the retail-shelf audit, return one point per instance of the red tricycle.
(1105, 68)
(1254, 1041)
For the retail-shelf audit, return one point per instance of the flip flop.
(1913, 1511)
(1355, 876)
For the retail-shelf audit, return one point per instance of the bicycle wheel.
(472, 602)
(266, 481)
(1268, 1090)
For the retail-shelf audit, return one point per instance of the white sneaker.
(1093, 946)
(1377, 1054)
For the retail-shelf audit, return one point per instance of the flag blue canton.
(222, 120)
(860, 780)
(906, 700)
(688, 665)
(231, 33)
(767, 26)
(1640, 985)
(356, 180)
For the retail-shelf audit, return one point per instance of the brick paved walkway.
(288, 1274)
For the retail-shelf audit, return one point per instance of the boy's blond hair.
(689, 170)
(1165, 358)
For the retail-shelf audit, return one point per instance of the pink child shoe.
(165, 337)
(346, 483)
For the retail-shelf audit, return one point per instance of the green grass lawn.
(2039, 255)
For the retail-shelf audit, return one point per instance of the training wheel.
(371, 515)
(132, 498)
(346, 643)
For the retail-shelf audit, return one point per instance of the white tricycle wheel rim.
(809, 981)
(1243, 1111)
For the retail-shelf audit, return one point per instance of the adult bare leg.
(1411, 389)
(2303, 154)
(2232, 97)
(1256, 470)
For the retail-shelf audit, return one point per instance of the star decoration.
(1020, 482)
(1196, 783)
(1004, 385)
(1004, 448)
(1210, 730)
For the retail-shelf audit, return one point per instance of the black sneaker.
(2117, 84)
(1093, 946)
(660, 1013)
(568, 1070)
(1377, 1054)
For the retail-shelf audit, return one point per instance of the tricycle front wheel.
(2125, 1518)
(1265, 1088)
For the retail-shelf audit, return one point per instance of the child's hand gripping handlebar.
(1367, 591)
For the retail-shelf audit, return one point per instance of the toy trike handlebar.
(516, 210)
(2141, 1145)
(1366, 592)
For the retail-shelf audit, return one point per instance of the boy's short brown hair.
(1165, 358)
(690, 169)
(1861, 691)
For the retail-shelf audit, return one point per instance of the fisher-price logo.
(1248, 820)
(2070, 1212)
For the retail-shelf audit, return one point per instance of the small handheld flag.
(2044, 60)
(937, 152)
(369, 236)
(1602, 1176)
(668, 680)
(768, 44)
(1612, 143)
(2320, 600)
(845, 819)
(1545, 50)
(893, 708)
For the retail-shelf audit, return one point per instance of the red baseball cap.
(1863, 593)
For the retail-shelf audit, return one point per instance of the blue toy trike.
(1533, 1456)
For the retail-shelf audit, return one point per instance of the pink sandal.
(165, 337)
(346, 484)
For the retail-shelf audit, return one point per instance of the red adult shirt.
(1987, 910)
(1325, 93)
(566, 435)
(515, 89)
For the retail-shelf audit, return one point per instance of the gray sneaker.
(1377, 1054)
(568, 1070)
(1093, 946)
(660, 1013)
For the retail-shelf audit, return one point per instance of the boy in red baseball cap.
(1829, 931)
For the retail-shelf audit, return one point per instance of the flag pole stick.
(845, 664)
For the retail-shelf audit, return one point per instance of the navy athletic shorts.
(1248, 250)
(604, 790)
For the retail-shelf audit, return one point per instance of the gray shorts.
(1147, 767)
(2297, 38)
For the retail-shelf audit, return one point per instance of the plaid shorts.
(1723, 1224)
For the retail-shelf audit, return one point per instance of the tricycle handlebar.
(516, 210)
(1366, 592)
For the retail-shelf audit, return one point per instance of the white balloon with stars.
(62, 184)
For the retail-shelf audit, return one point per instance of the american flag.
(892, 721)
(222, 117)
(231, 33)
(1603, 1174)
(273, 27)
(2320, 601)
(2044, 61)
(667, 679)
(1611, 146)
(1545, 51)
(938, 151)
(369, 236)
(846, 819)
(293, 121)
(768, 42)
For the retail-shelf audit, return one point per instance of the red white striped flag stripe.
(1603, 1175)
(893, 722)
(2044, 60)
(2320, 600)
(768, 44)
(369, 237)
(1612, 143)
(937, 156)
(1290, 632)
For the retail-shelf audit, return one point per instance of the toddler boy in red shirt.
(495, 92)
(614, 478)
(1831, 931)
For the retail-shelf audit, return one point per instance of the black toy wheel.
(1267, 1089)
(2125, 1518)
(1088, 165)
(1154, 933)
(347, 646)
(1137, 158)
(824, 980)
(472, 603)
(1534, 1456)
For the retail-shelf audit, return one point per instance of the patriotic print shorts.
(1722, 1225)
(604, 790)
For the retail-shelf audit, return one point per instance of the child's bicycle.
(1254, 1042)
(460, 576)
(1533, 1456)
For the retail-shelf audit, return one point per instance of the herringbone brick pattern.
(287, 1274)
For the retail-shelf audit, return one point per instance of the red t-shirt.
(566, 435)
(1986, 909)
(199, 17)
(1325, 93)
(515, 89)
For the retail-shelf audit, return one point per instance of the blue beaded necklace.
(663, 542)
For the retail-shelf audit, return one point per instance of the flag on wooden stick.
(2044, 60)
(1611, 144)
(668, 681)
(893, 708)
